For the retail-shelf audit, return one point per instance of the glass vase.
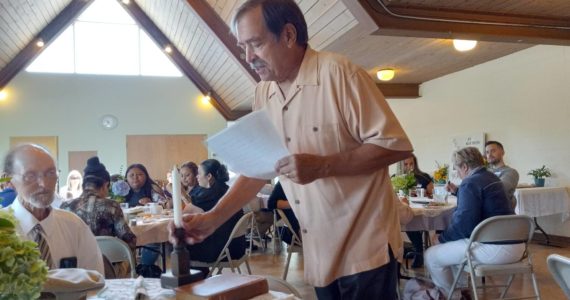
(439, 193)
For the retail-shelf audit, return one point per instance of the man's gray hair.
(469, 156)
(10, 158)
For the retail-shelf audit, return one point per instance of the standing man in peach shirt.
(342, 135)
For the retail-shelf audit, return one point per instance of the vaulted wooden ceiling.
(412, 36)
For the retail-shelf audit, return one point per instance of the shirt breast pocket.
(320, 139)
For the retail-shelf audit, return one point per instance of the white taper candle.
(176, 200)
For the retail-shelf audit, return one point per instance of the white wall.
(70, 106)
(521, 100)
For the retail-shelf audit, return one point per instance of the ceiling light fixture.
(168, 49)
(386, 74)
(3, 95)
(40, 43)
(206, 98)
(126, 2)
(464, 45)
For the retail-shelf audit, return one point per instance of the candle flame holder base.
(181, 273)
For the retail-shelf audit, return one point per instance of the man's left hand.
(303, 168)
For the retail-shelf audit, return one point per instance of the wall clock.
(109, 121)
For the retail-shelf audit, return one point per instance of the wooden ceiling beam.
(221, 30)
(178, 58)
(442, 23)
(47, 35)
(400, 90)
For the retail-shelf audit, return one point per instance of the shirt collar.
(309, 70)
(27, 221)
(471, 172)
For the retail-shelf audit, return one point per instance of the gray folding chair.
(511, 228)
(280, 285)
(224, 259)
(116, 250)
(296, 245)
(559, 267)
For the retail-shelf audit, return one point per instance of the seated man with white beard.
(64, 240)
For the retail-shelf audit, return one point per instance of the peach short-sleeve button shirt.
(347, 222)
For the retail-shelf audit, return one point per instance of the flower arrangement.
(541, 172)
(404, 182)
(119, 189)
(440, 175)
(22, 272)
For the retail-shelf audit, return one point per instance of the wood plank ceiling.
(374, 34)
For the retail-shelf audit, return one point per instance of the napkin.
(72, 283)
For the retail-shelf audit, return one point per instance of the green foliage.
(540, 172)
(404, 182)
(22, 272)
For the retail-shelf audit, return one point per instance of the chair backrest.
(240, 229)
(296, 240)
(280, 285)
(508, 228)
(559, 267)
(116, 250)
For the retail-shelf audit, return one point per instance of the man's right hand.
(197, 227)
(450, 187)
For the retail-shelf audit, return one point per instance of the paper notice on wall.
(250, 147)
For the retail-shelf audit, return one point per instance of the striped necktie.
(37, 234)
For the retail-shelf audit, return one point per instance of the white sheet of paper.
(250, 147)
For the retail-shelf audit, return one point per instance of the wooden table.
(153, 231)
(123, 289)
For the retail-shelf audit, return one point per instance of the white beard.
(41, 200)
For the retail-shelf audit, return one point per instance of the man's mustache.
(257, 64)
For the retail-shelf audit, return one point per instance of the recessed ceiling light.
(168, 49)
(40, 43)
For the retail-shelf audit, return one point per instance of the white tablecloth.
(546, 201)
(154, 231)
(123, 289)
(430, 218)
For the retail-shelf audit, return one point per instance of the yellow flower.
(440, 174)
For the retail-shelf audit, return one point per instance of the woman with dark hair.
(422, 179)
(143, 189)
(426, 182)
(188, 178)
(104, 216)
(212, 178)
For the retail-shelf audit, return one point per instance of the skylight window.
(104, 39)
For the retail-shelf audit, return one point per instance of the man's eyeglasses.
(33, 177)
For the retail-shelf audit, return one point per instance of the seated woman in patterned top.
(102, 215)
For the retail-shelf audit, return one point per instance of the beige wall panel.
(158, 153)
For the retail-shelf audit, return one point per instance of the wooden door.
(158, 153)
(77, 160)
